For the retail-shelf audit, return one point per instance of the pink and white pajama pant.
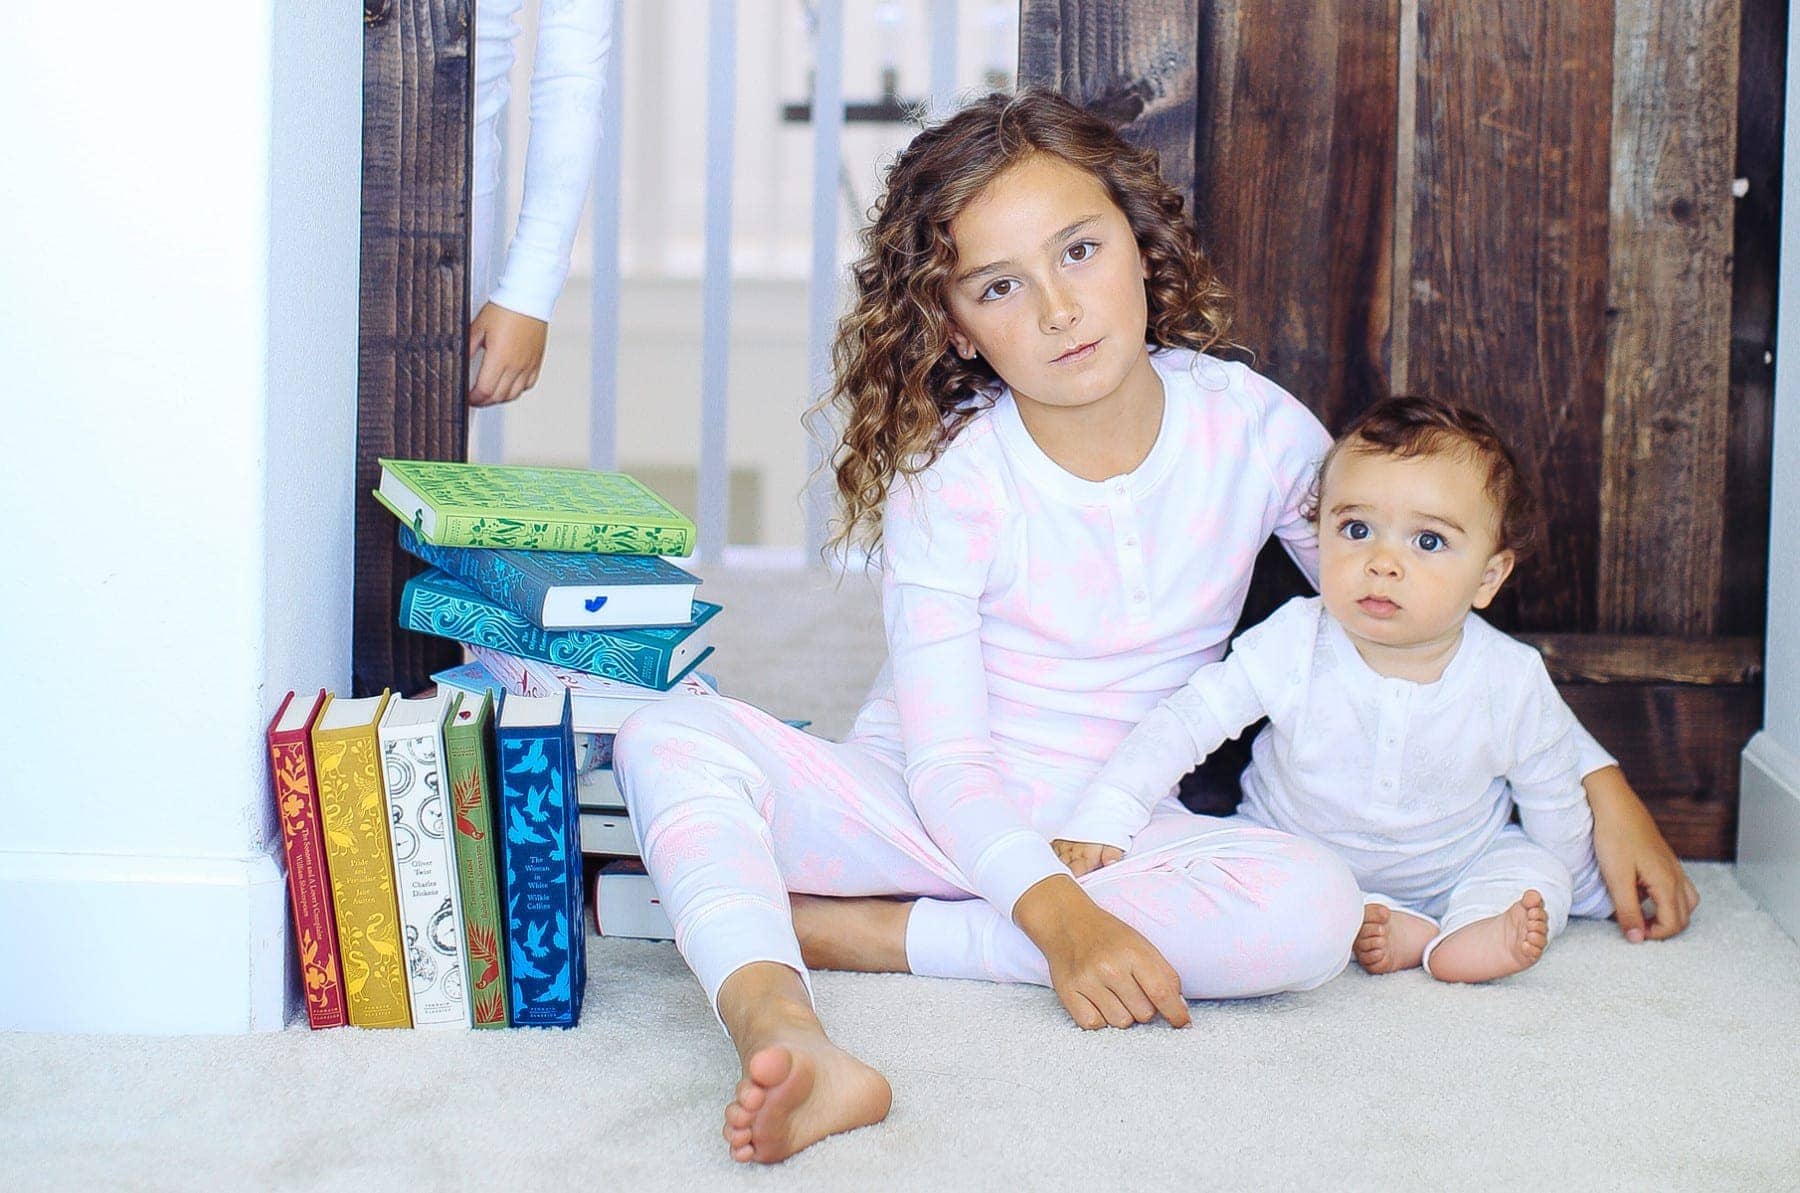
(733, 809)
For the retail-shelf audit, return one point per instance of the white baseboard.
(1768, 854)
(122, 943)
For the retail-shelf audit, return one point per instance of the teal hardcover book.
(451, 504)
(652, 657)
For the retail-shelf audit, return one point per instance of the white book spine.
(608, 834)
(627, 905)
(617, 606)
(425, 879)
(596, 704)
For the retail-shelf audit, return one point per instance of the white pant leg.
(1237, 909)
(733, 809)
(1497, 879)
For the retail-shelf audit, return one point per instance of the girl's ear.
(965, 347)
(1499, 567)
(1144, 264)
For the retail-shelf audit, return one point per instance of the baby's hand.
(1081, 857)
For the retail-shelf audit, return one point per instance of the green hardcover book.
(466, 732)
(532, 509)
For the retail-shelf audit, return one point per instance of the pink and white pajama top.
(1033, 617)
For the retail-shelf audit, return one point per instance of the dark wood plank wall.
(1756, 245)
(1528, 208)
(1133, 63)
(1662, 492)
(413, 369)
(1295, 188)
(1507, 291)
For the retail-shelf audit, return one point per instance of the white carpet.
(1608, 1066)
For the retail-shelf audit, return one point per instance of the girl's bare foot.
(1496, 947)
(798, 1087)
(864, 935)
(1391, 940)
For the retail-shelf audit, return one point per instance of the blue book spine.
(436, 603)
(520, 581)
(541, 850)
(493, 573)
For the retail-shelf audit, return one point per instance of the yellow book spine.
(355, 815)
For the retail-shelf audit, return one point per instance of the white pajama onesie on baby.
(1412, 784)
(1033, 618)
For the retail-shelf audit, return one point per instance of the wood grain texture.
(1131, 63)
(1649, 658)
(1755, 255)
(1509, 260)
(1668, 361)
(413, 369)
(1678, 745)
(1295, 184)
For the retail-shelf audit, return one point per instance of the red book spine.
(309, 885)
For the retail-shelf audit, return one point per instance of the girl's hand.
(1081, 857)
(1102, 968)
(1636, 862)
(512, 347)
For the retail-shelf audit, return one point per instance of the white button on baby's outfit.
(1131, 540)
(1140, 596)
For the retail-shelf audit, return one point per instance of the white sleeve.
(1590, 754)
(1546, 784)
(567, 78)
(1189, 724)
(939, 541)
(1292, 442)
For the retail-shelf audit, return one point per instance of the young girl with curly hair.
(1066, 495)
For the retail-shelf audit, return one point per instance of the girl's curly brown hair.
(901, 392)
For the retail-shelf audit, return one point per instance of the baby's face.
(1407, 546)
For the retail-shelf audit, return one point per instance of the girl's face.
(1049, 285)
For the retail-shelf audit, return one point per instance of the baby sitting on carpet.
(1402, 727)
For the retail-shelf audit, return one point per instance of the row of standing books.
(434, 859)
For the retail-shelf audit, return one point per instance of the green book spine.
(533, 509)
(466, 729)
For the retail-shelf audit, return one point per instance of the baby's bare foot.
(797, 1092)
(1496, 947)
(1391, 940)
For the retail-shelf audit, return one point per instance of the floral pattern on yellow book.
(360, 856)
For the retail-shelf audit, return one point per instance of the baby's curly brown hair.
(901, 392)
(1411, 425)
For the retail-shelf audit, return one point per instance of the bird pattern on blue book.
(520, 580)
(435, 602)
(546, 950)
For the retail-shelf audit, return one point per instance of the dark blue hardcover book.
(541, 851)
(565, 590)
(434, 602)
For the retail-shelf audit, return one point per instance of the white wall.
(178, 244)
(1769, 815)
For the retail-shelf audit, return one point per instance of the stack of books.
(553, 580)
(434, 862)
